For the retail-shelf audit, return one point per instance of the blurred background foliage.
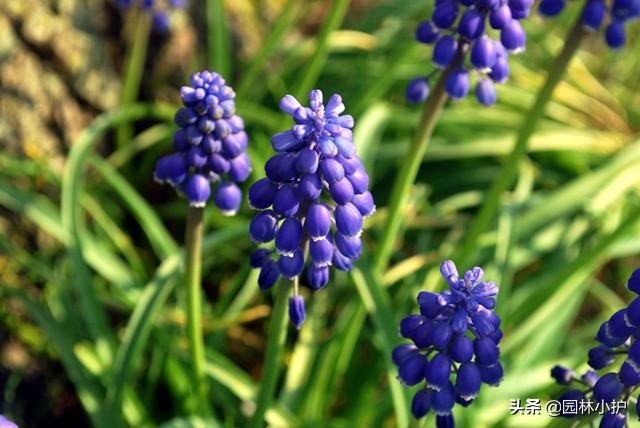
(564, 241)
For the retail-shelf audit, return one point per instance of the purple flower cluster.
(596, 13)
(209, 147)
(456, 333)
(618, 337)
(160, 10)
(313, 199)
(591, 391)
(461, 26)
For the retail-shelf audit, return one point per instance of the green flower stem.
(511, 164)
(411, 163)
(193, 272)
(275, 348)
(134, 68)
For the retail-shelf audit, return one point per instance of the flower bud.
(228, 198)
(297, 311)
(263, 227)
(197, 189)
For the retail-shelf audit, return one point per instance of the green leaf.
(224, 371)
(146, 310)
(158, 235)
(89, 391)
(570, 281)
(218, 38)
(314, 67)
(41, 211)
(73, 226)
(378, 306)
(137, 331)
(280, 27)
(191, 422)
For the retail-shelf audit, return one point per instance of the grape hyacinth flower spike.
(209, 152)
(209, 148)
(455, 347)
(597, 15)
(465, 59)
(591, 18)
(312, 201)
(160, 11)
(612, 390)
(462, 46)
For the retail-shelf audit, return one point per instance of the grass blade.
(314, 67)
(377, 304)
(280, 27)
(88, 390)
(224, 371)
(571, 279)
(160, 238)
(218, 38)
(151, 302)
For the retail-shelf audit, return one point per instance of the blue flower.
(459, 26)
(486, 92)
(570, 396)
(600, 357)
(458, 84)
(613, 420)
(562, 375)
(445, 421)
(596, 13)
(456, 335)
(551, 7)
(421, 403)
(615, 34)
(607, 388)
(617, 336)
(160, 11)
(313, 199)
(297, 311)
(418, 90)
(209, 147)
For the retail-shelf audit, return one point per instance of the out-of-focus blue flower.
(615, 34)
(613, 420)
(160, 11)
(418, 90)
(161, 21)
(455, 336)
(618, 337)
(570, 396)
(314, 196)
(551, 7)
(459, 26)
(596, 13)
(210, 146)
(458, 84)
(486, 92)
(562, 375)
